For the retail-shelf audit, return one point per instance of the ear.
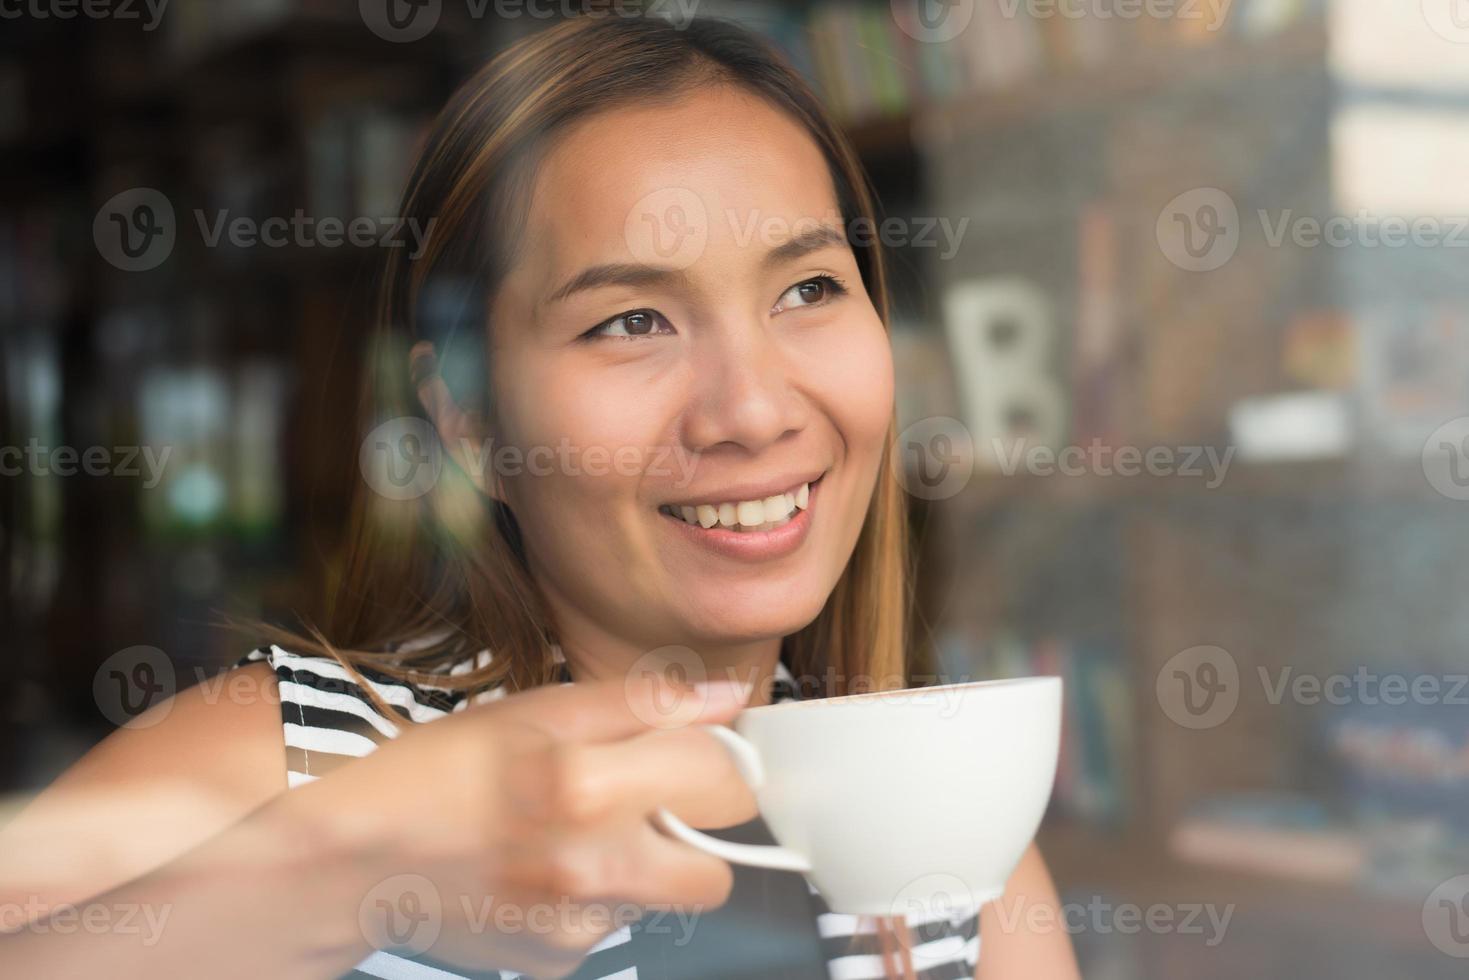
(463, 433)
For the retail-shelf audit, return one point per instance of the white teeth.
(745, 513)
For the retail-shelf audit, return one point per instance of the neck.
(599, 658)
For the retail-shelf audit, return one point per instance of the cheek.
(854, 377)
(586, 434)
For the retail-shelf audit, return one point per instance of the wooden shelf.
(1324, 481)
(1089, 860)
(1302, 47)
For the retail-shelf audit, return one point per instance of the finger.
(678, 875)
(637, 865)
(617, 709)
(686, 770)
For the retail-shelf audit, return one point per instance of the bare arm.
(193, 860)
(170, 849)
(1023, 935)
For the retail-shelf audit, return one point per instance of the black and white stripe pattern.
(328, 720)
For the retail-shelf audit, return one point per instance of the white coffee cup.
(897, 802)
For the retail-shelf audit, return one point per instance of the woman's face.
(686, 335)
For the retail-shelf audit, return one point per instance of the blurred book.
(1414, 373)
(1094, 771)
(1282, 835)
(359, 159)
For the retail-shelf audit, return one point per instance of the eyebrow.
(803, 243)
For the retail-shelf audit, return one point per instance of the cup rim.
(910, 692)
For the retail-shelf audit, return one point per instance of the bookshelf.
(1063, 151)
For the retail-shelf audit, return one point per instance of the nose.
(744, 391)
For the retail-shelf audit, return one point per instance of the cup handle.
(747, 761)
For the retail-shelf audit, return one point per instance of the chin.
(771, 613)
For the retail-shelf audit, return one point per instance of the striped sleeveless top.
(328, 721)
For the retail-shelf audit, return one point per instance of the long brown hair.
(450, 562)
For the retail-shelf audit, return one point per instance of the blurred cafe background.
(1183, 348)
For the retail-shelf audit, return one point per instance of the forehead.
(720, 156)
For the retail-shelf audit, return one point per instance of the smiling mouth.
(746, 516)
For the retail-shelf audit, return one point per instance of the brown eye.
(639, 323)
(811, 292)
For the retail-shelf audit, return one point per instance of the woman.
(659, 373)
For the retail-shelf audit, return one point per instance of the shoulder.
(330, 713)
(181, 771)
